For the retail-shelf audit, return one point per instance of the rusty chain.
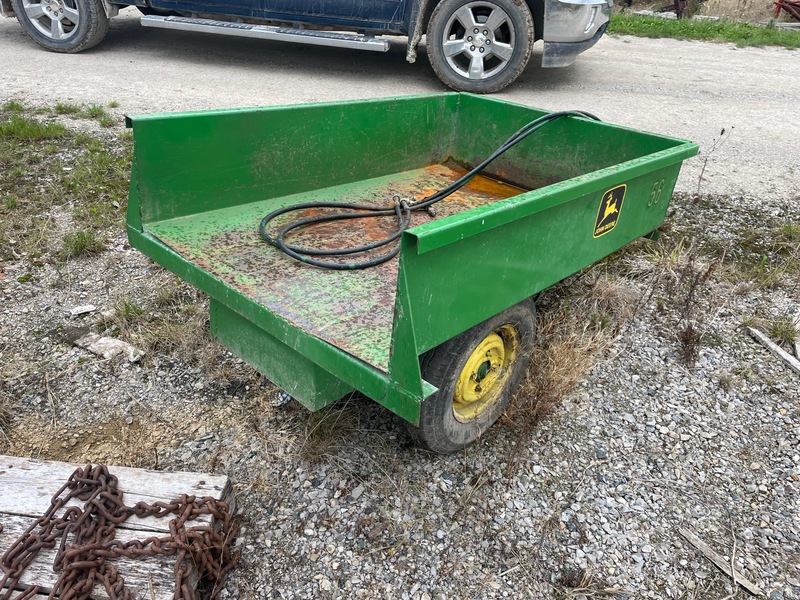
(85, 540)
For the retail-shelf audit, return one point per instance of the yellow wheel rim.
(485, 373)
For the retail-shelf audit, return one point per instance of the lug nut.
(472, 48)
(481, 49)
(475, 30)
(469, 38)
(485, 32)
(488, 42)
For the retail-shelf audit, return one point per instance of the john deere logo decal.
(608, 213)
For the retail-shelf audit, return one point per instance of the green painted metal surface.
(294, 373)
(202, 181)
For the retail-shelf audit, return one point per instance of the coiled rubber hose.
(401, 209)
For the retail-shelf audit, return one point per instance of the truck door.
(369, 14)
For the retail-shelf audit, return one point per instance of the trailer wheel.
(479, 46)
(63, 25)
(475, 373)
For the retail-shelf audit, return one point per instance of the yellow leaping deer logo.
(609, 210)
(611, 207)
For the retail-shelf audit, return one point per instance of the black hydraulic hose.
(401, 210)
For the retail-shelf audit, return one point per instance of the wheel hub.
(55, 8)
(55, 19)
(485, 374)
(478, 40)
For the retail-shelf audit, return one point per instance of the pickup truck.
(478, 46)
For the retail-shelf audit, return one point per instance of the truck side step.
(265, 32)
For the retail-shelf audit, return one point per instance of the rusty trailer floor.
(353, 310)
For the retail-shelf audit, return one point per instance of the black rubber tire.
(439, 430)
(91, 28)
(520, 16)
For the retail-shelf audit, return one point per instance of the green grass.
(67, 109)
(100, 179)
(13, 106)
(789, 232)
(129, 312)
(723, 30)
(783, 331)
(94, 111)
(19, 128)
(47, 168)
(82, 243)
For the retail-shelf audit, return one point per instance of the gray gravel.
(343, 507)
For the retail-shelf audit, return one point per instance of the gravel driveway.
(588, 504)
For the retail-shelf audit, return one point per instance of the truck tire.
(63, 25)
(476, 371)
(479, 46)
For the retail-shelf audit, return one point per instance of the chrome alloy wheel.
(478, 40)
(54, 19)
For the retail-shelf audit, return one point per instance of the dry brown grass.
(5, 412)
(739, 10)
(681, 280)
(752, 11)
(174, 323)
(577, 320)
(327, 428)
(585, 585)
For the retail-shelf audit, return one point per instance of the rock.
(82, 310)
(108, 347)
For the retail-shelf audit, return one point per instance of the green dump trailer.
(440, 334)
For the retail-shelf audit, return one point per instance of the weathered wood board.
(26, 490)
(27, 487)
(15, 595)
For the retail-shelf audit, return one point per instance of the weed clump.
(327, 428)
(67, 109)
(784, 330)
(577, 320)
(82, 243)
(5, 411)
(13, 106)
(20, 128)
(584, 584)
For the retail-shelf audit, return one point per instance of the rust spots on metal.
(353, 310)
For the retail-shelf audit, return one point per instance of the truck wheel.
(63, 25)
(480, 46)
(475, 373)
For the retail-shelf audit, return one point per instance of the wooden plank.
(138, 573)
(26, 490)
(15, 595)
(27, 487)
(790, 360)
(719, 560)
